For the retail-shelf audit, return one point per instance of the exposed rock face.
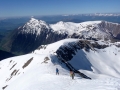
(67, 52)
(111, 28)
(27, 43)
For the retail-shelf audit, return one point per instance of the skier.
(72, 74)
(57, 71)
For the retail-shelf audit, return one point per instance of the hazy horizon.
(19, 8)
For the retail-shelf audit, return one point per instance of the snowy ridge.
(99, 61)
(70, 26)
(86, 29)
(36, 71)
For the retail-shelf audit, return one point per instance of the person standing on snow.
(72, 74)
(57, 71)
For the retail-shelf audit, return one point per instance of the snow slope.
(36, 71)
(101, 61)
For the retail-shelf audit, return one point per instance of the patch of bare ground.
(4, 87)
(27, 63)
(13, 66)
(12, 74)
(46, 59)
(10, 61)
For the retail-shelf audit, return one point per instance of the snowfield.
(36, 70)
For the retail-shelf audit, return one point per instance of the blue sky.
(10, 8)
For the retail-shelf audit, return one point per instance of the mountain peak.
(33, 20)
(34, 26)
(60, 22)
(37, 21)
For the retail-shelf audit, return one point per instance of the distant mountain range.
(35, 32)
(99, 14)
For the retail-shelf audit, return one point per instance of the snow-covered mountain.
(88, 29)
(37, 32)
(98, 60)
(34, 26)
